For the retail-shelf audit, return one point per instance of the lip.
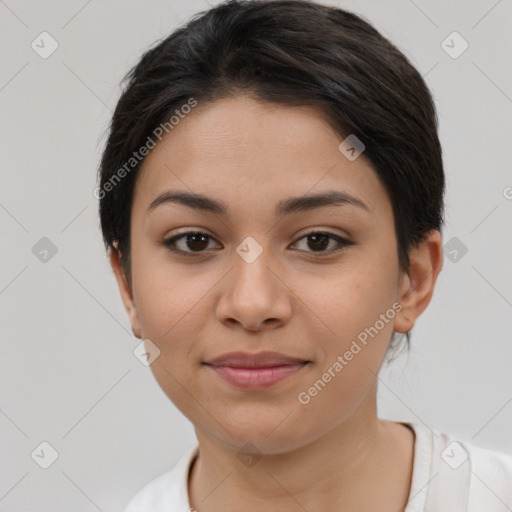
(255, 371)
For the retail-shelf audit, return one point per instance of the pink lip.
(255, 371)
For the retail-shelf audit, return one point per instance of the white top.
(448, 476)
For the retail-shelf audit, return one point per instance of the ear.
(418, 284)
(126, 291)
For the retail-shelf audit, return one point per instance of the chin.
(260, 431)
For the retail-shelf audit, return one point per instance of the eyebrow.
(283, 208)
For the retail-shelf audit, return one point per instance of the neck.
(362, 463)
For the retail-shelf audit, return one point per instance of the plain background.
(68, 375)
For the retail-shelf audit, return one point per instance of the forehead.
(239, 147)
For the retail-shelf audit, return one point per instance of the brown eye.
(196, 241)
(318, 242)
(191, 242)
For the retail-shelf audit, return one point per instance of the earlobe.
(125, 291)
(417, 287)
(134, 320)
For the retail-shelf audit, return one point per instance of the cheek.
(161, 294)
(351, 299)
(353, 355)
(171, 305)
(357, 307)
(173, 312)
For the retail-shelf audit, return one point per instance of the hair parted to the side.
(293, 52)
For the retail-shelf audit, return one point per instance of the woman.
(271, 197)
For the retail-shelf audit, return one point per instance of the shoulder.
(491, 478)
(460, 474)
(152, 495)
(167, 492)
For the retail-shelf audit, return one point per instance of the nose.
(255, 295)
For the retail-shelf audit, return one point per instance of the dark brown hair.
(290, 52)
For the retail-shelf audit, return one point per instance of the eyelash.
(169, 243)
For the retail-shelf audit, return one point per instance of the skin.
(333, 453)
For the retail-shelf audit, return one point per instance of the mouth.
(255, 371)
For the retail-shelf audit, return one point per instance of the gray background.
(68, 375)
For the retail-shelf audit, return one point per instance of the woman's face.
(254, 281)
